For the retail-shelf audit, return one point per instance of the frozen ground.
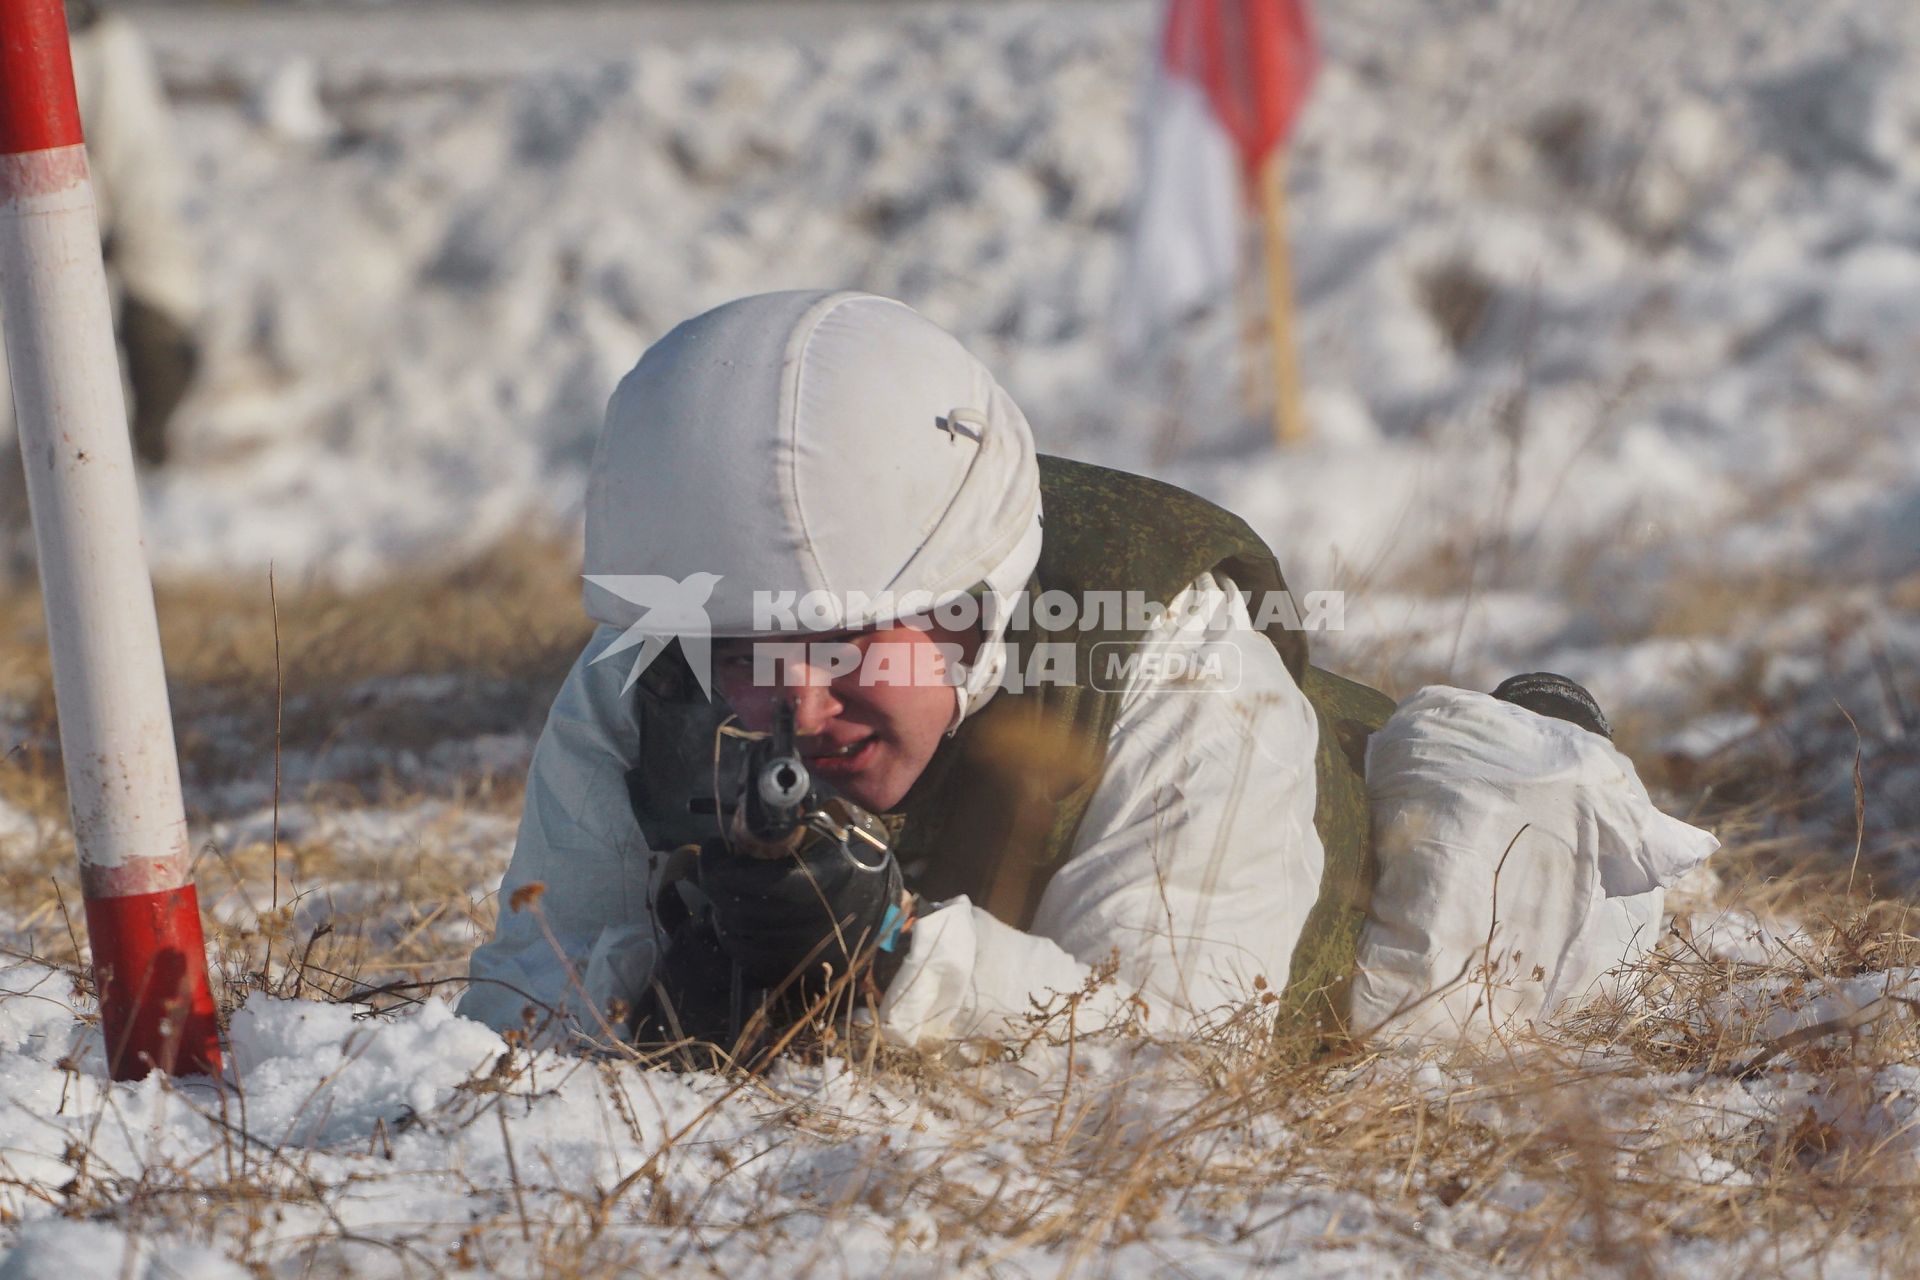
(1643, 1140)
(1611, 322)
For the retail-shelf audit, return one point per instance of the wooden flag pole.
(1256, 380)
(1289, 419)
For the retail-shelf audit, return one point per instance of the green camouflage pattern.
(1324, 958)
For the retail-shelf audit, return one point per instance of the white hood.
(813, 442)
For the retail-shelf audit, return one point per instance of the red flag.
(1229, 82)
(1255, 58)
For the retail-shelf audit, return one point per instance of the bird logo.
(670, 609)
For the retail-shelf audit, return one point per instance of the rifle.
(781, 808)
(781, 812)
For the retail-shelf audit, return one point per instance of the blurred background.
(1608, 327)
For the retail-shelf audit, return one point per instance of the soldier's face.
(870, 707)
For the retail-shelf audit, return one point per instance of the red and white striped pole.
(116, 731)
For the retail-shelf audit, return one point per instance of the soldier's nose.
(814, 704)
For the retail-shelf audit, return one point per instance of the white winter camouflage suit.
(791, 440)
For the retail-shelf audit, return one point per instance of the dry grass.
(510, 620)
(1651, 1130)
(365, 684)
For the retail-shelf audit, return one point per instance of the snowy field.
(1611, 328)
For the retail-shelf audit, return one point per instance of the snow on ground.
(1610, 317)
(1698, 264)
(417, 1144)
